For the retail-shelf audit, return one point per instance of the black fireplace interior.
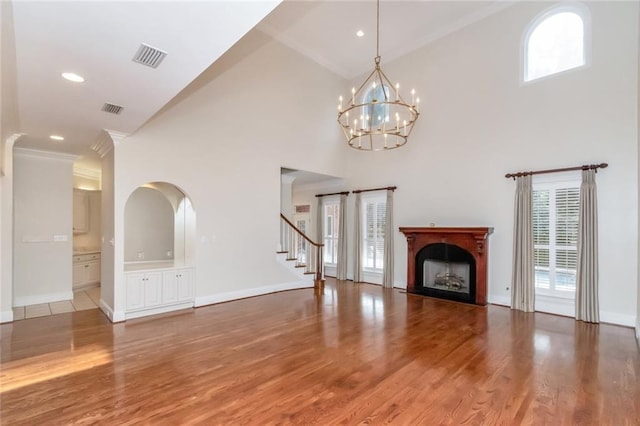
(446, 271)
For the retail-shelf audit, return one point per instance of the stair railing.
(301, 249)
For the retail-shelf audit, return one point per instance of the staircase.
(300, 253)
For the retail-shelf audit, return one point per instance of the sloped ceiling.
(98, 39)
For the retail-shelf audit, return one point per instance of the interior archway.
(159, 226)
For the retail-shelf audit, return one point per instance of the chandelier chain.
(378, 32)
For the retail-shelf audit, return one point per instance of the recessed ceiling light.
(73, 77)
(360, 33)
(56, 138)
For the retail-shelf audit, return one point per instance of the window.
(374, 221)
(377, 113)
(555, 236)
(331, 210)
(555, 42)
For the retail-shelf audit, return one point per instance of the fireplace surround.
(448, 263)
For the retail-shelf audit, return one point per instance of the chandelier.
(376, 117)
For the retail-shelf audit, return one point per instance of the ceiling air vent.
(149, 56)
(111, 108)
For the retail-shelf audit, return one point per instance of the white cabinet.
(86, 269)
(185, 285)
(144, 290)
(152, 289)
(80, 211)
(135, 291)
(177, 285)
(159, 290)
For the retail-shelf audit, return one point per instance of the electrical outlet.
(60, 238)
(140, 255)
(169, 253)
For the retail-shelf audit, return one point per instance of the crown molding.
(7, 149)
(107, 140)
(287, 178)
(45, 154)
(87, 173)
(338, 183)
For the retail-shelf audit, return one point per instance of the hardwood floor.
(357, 354)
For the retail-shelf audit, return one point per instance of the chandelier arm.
(385, 78)
(366, 80)
(380, 74)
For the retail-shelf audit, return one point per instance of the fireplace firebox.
(448, 263)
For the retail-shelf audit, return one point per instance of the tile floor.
(87, 298)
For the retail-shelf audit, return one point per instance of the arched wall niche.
(159, 226)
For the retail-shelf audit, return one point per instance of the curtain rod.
(333, 193)
(392, 188)
(566, 169)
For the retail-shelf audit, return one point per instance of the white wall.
(223, 141)
(91, 238)
(148, 226)
(638, 126)
(107, 256)
(479, 122)
(9, 125)
(43, 210)
(286, 190)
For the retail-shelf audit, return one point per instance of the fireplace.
(448, 263)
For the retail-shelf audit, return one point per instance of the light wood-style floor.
(357, 354)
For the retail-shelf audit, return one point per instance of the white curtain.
(341, 272)
(587, 305)
(387, 271)
(357, 242)
(523, 282)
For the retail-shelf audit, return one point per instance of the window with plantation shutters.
(374, 221)
(331, 224)
(555, 236)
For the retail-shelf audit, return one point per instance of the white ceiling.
(98, 39)
(325, 31)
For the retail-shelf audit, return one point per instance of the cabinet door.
(169, 287)
(185, 284)
(93, 271)
(135, 291)
(78, 274)
(80, 211)
(152, 289)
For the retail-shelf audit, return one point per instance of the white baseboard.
(566, 307)
(618, 319)
(158, 310)
(114, 316)
(499, 300)
(257, 291)
(556, 306)
(43, 298)
(6, 316)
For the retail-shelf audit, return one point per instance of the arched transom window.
(555, 42)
